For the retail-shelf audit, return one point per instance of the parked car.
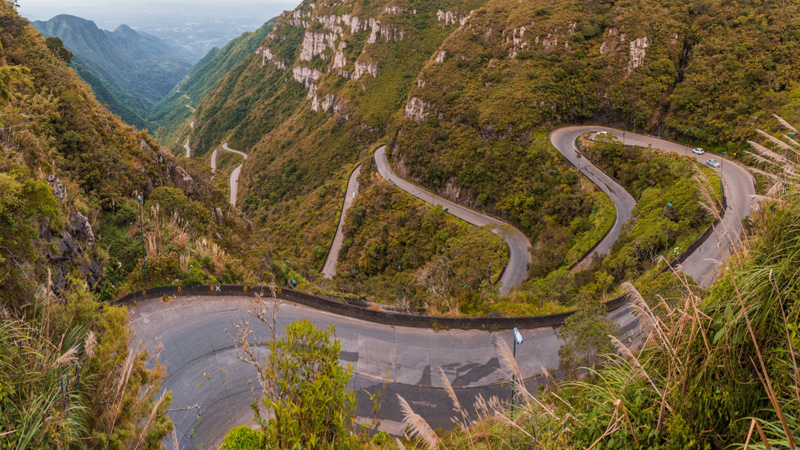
(698, 151)
(712, 163)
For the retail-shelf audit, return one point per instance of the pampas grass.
(786, 124)
(780, 144)
(418, 426)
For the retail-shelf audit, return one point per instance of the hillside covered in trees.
(127, 70)
(83, 197)
(464, 92)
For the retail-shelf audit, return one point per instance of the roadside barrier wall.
(369, 314)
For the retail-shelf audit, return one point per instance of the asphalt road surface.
(188, 149)
(203, 369)
(704, 263)
(329, 269)
(234, 181)
(519, 245)
(563, 139)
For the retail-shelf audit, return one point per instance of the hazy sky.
(197, 25)
(116, 12)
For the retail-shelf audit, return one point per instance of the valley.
(377, 224)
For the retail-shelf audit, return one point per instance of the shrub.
(243, 438)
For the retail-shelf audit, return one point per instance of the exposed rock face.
(366, 68)
(393, 9)
(64, 253)
(517, 41)
(267, 56)
(81, 228)
(387, 33)
(638, 52)
(612, 40)
(339, 60)
(297, 19)
(182, 180)
(316, 44)
(416, 110)
(452, 18)
(549, 42)
(56, 186)
(439, 58)
(306, 75)
(218, 215)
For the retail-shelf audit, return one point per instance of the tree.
(585, 335)
(304, 403)
(57, 47)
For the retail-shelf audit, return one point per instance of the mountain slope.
(171, 112)
(130, 71)
(327, 84)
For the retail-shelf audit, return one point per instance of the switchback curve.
(519, 256)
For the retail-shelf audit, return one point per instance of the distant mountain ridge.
(128, 70)
(171, 114)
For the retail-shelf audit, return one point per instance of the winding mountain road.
(703, 264)
(203, 369)
(519, 256)
(188, 149)
(234, 180)
(329, 269)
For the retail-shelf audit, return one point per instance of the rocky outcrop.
(315, 44)
(57, 188)
(297, 19)
(64, 253)
(393, 10)
(612, 40)
(366, 68)
(339, 60)
(267, 56)
(416, 110)
(517, 41)
(638, 50)
(81, 228)
(182, 180)
(439, 58)
(447, 18)
(387, 33)
(306, 75)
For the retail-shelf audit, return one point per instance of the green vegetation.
(479, 98)
(304, 389)
(674, 196)
(128, 71)
(398, 247)
(171, 113)
(713, 373)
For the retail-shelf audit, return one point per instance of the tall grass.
(717, 369)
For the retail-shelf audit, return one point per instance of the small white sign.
(517, 336)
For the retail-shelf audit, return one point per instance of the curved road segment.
(703, 263)
(203, 368)
(234, 181)
(519, 256)
(329, 269)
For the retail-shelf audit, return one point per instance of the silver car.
(712, 163)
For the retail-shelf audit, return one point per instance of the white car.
(712, 163)
(698, 151)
